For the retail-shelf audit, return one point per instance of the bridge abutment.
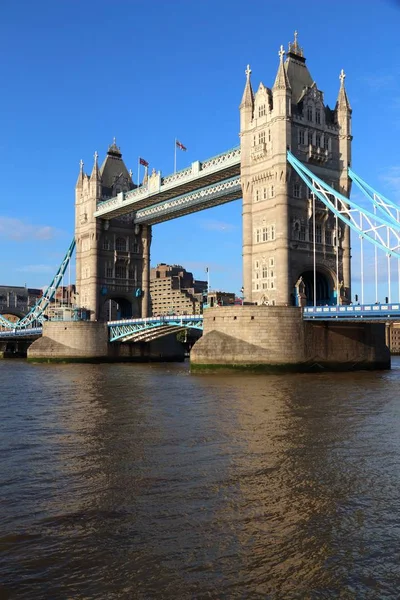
(87, 341)
(275, 338)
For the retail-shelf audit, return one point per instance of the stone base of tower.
(275, 338)
(87, 341)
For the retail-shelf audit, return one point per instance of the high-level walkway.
(202, 185)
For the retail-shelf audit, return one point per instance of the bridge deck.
(351, 312)
(198, 175)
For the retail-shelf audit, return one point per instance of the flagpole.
(175, 157)
(138, 171)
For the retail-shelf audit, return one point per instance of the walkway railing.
(366, 312)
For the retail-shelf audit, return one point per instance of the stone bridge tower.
(112, 256)
(277, 205)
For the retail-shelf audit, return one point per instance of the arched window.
(120, 244)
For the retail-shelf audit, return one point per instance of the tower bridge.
(292, 171)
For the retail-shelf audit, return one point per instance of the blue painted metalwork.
(36, 314)
(379, 230)
(24, 333)
(383, 204)
(365, 312)
(151, 327)
(216, 193)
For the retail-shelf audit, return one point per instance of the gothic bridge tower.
(278, 219)
(112, 257)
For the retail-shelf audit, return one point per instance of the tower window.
(106, 244)
(261, 137)
(328, 237)
(109, 271)
(318, 140)
(265, 234)
(265, 193)
(326, 142)
(302, 233)
(261, 110)
(318, 116)
(120, 244)
(318, 233)
(301, 136)
(269, 135)
(272, 191)
(264, 272)
(257, 196)
(272, 232)
(309, 113)
(296, 190)
(120, 272)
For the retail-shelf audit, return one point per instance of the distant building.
(16, 301)
(221, 299)
(173, 290)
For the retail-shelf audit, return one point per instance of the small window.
(109, 272)
(272, 232)
(265, 234)
(328, 237)
(326, 142)
(296, 190)
(265, 193)
(257, 196)
(269, 135)
(318, 140)
(106, 244)
(120, 272)
(272, 191)
(261, 137)
(318, 116)
(309, 113)
(271, 262)
(120, 244)
(301, 136)
(264, 272)
(318, 233)
(261, 110)
(302, 233)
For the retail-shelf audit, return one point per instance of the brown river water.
(143, 481)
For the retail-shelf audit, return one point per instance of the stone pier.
(87, 341)
(275, 338)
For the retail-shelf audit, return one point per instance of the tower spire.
(81, 175)
(343, 101)
(281, 80)
(248, 96)
(95, 172)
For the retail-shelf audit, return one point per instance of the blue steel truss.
(35, 316)
(205, 197)
(148, 329)
(379, 202)
(382, 231)
(21, 333)
(351, 312)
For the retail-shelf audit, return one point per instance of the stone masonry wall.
(277, 336)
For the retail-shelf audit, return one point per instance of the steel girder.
(36, 314)
(382, 231)
(152, 327)
(206, 197)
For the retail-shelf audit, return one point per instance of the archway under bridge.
(324, 288)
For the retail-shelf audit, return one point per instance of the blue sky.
(75, 73)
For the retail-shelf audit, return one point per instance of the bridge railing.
(197, 169)
(353, 311)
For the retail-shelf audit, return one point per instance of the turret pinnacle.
(81, 175)
(95, 172)
(281, 80)
(343, 101)
(248, 96)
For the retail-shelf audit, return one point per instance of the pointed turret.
(247, 104)
(79, 182)
(95, 178)
(281, 79)
(296, 70)
(343, 101)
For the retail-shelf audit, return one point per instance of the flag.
(180, 146)
(143, 162)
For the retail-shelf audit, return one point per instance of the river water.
(143, 481)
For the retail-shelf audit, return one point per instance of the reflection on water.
(143, 481)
